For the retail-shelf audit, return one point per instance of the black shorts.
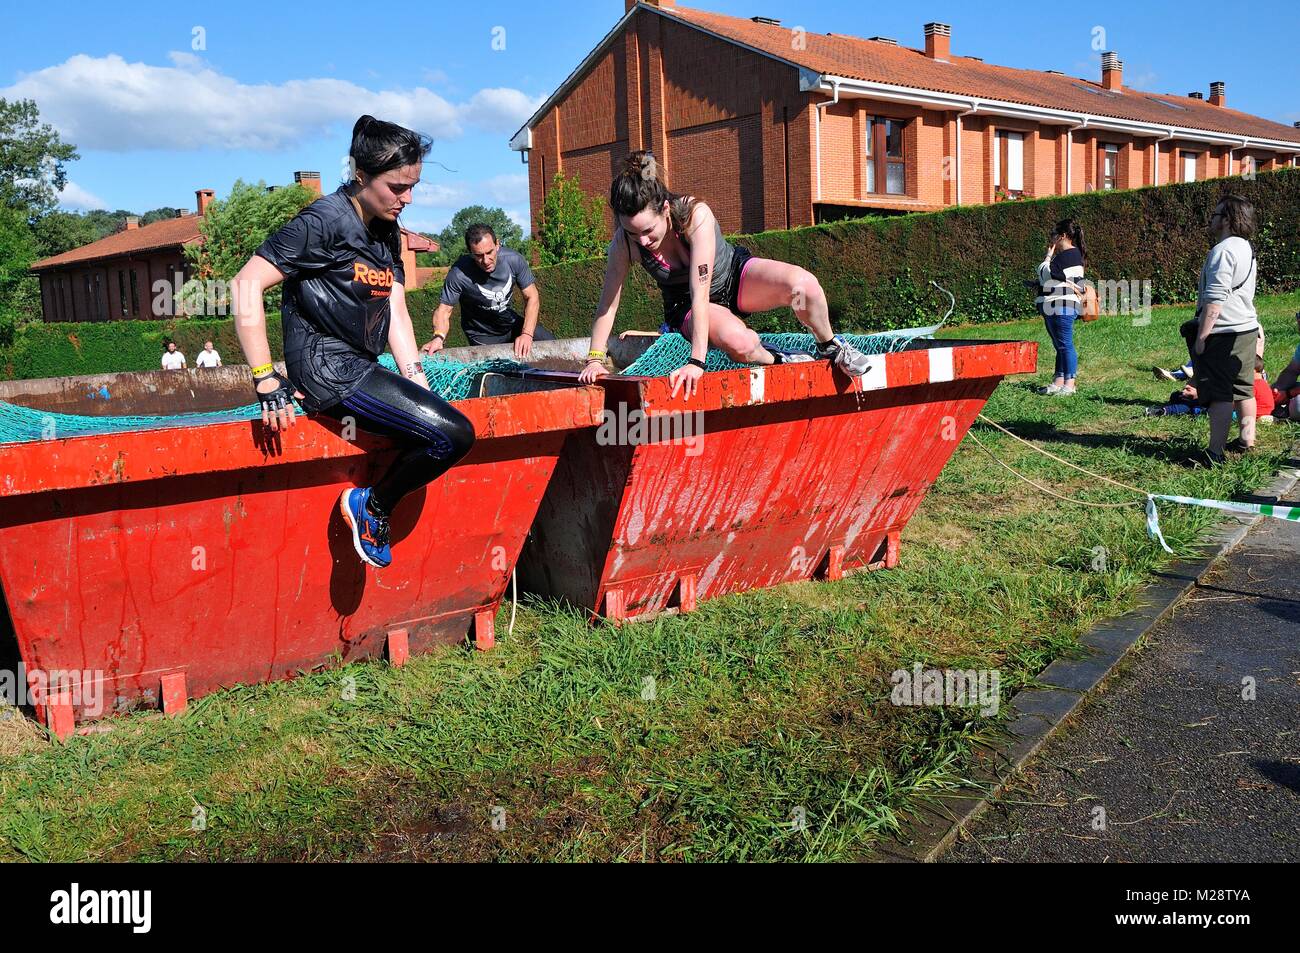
(1226, 371)
(678, 306)
(506, 337)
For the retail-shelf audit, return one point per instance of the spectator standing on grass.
(1228, 327)
(1285, 391)
(172, 359)
(1060, 276)
(208, 357)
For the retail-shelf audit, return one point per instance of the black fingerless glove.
(278, 399)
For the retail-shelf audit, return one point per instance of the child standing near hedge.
(1060, 275)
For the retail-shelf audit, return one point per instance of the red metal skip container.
(171, 562)
(793, 474)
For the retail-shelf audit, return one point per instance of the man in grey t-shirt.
(482, 282)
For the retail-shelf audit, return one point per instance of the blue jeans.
(1060, 328)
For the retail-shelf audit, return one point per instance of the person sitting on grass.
(1185, 401)
(1186, 371)
(1285, 392)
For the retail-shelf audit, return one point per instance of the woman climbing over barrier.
(344, 300)
(709, 286)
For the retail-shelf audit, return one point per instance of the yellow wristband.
(263, 369)
(599, 355)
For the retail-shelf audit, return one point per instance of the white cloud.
(439, 195)
(77, 199)
(508, 189)
(1145, 80)
(107, 103)
(500, 109)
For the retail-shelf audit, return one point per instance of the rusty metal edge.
(1043, 711)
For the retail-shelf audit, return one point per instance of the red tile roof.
(855, 58)
(167, 233)
(417, 242)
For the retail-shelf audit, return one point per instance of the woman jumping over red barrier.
(708, 285)
(344, 301)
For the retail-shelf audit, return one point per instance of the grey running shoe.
(1052, 389)
(844, 356)
(1163, 375)
(788, 357)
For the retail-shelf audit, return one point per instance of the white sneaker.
(844, 356)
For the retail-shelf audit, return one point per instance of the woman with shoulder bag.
(1227, 328)
(1061, 278)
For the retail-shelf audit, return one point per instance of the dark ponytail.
(379, 147)
(638, 187)
(1072, 230)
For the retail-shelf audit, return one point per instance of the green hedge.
(875, 272)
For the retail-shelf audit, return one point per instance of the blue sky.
(171, 97)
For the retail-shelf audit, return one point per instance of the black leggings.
(434, 434)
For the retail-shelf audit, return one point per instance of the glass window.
(897, 181)
(885, 160)
(893, 139)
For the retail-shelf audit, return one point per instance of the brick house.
(777, 128)
(113, 278)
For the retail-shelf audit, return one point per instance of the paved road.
(1184, 767)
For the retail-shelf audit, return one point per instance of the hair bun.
(649, 168)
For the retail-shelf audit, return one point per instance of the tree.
(19, 291)
(157, 215)
(107, 223)
(233, 228)
(452, 238)
(571, 224)
(61, 231)
(33, 160)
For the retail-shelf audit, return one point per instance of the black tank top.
(675, 282)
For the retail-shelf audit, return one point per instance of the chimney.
(887, 40)
(1217, 95)
(1112, 71)
(309, 180)
(132, 223)
(1195, 95)
(938, 38)
(629, 4)
(204, 198)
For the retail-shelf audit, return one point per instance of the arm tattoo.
(414, 369)
(703, 271)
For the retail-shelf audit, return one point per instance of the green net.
(451, 380)
(671, 351)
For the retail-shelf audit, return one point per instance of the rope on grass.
(1289, 513)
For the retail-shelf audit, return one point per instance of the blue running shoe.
(369, 533)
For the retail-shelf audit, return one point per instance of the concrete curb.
(1038, 712)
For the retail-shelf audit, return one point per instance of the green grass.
(769, 706)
